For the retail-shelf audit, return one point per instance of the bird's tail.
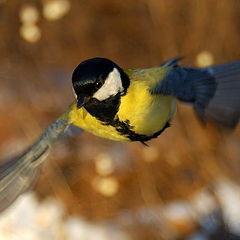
(224, 106)
(18, 174)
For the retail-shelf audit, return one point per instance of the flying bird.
(135, 104)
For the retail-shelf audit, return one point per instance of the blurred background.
(184, 186)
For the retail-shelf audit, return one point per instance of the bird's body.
(140, 116)
(138, 104)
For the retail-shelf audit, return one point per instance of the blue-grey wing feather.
(19, 173)
(214, 91)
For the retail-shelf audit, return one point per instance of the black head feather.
(90, 75)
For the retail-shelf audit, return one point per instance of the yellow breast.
(81, 118)
(146, 113)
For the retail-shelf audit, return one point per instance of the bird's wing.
(214, 91)
(172, 62)
(13, 186)
(18, 174)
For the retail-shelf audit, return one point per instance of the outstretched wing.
(18, 174)
(214, 91)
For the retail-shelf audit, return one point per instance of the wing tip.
(172, 62)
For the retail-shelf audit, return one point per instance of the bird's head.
(98, 79)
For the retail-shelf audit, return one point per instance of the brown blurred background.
(126, 184)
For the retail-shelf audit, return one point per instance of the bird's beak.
(81, 101)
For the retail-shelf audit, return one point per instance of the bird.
(139, 104)
(132, 104)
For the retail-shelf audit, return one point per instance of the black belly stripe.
(124, 128)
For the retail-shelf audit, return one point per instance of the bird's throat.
(105, 110)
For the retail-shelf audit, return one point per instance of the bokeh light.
(55, 9)
(107, 186)
(104, 164)
(204, 59)
(30, 32)
(29, 14)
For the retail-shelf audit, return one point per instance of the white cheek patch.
(111, 86)
(75, 95)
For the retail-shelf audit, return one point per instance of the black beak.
(81, 101)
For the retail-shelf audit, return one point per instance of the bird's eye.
(98, 85)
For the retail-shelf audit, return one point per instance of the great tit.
(129, 105)
(138, 104)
